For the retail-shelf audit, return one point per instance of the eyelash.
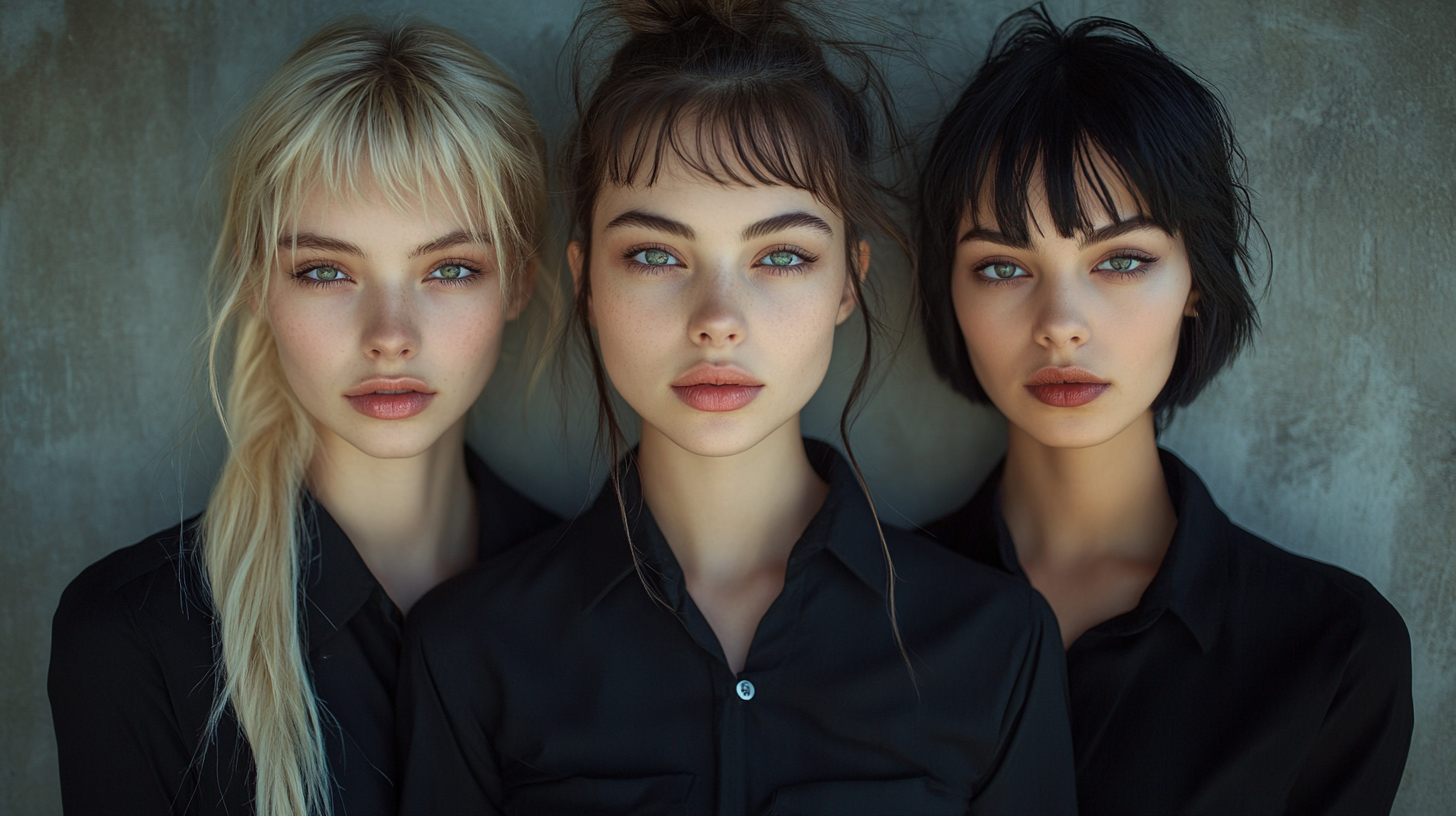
(807, 259)
(630, 256)
(1145, 262)
(301, 274)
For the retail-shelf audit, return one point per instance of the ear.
(527, 286)
(1190, 309)
(846, 299)
(576, 259)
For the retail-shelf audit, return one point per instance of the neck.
(412, 520)
(1069, 505)
(728, 517)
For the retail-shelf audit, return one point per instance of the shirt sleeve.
(449, 764)
(1035, 774)
(117, 741)
(1357, 758)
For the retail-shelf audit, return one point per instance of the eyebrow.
(778, 223)
(309, 240)
(1137, 222)
(638, 218)
(454, 239)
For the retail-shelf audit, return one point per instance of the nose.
(390, 325)
(1061, 317)
(717, 318)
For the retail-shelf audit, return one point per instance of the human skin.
(377, 298)
(1083, 491)
(691, 277)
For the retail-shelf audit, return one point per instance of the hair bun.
(662, 17)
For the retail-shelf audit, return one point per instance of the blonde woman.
(385, 199)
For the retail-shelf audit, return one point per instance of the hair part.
(1047, 106)
(418, 114)
(742, 92)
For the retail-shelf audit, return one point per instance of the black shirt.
(1246, 680)
(549, 681)
(132, 677)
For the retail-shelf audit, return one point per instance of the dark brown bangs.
(750, 135)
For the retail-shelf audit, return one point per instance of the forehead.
(685, 194)
(367, 201)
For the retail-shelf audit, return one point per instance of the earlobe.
(848, 299)
(1190, 309)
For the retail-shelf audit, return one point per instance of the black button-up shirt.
(1246, 680)
(551, 681)
(132, 677)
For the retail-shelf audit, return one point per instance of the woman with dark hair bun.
(1084, 267)
(729, 629)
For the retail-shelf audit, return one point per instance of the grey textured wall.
(1336, 437)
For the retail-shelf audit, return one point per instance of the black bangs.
(1075, 113)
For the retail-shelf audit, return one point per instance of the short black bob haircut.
(1054, 98)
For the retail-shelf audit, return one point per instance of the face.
(388, 323)
(1072, 338)
(715, 305)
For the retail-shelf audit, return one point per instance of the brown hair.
(755, 78)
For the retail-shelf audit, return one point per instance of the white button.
(744, 689)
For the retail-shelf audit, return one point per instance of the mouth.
(1066, 386)
(716, 388)
(390, 397)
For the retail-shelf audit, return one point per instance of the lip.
(390, 397)
(1065, 386)
(716, 388)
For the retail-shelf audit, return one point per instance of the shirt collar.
(1193, 580)
(845, 526)
(337, 582)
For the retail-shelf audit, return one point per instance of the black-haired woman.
(1084, 268)
(728, 630)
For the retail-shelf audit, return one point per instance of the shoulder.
(539, 574)
(132, 612)
(1272, 583)
(934, 582)
(147, 575)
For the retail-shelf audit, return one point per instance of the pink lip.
(390, 397)
(716, 388)
(1066, 386)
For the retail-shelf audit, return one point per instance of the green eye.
(452, 272)
(781, 257)
(656, 257)
(325, 273)
(1002, 271)
(1121, 264)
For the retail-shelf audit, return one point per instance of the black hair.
(1054, 98)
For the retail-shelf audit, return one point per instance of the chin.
(1071, 432)
(715, 436)
(392, 443)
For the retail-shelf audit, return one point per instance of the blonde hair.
(417, 112)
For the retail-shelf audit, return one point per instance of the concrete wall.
(1336, 436)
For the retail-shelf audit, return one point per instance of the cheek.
(798, 327)
(988, 325)
(463, 333)
(635, 326)
(313, 336)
